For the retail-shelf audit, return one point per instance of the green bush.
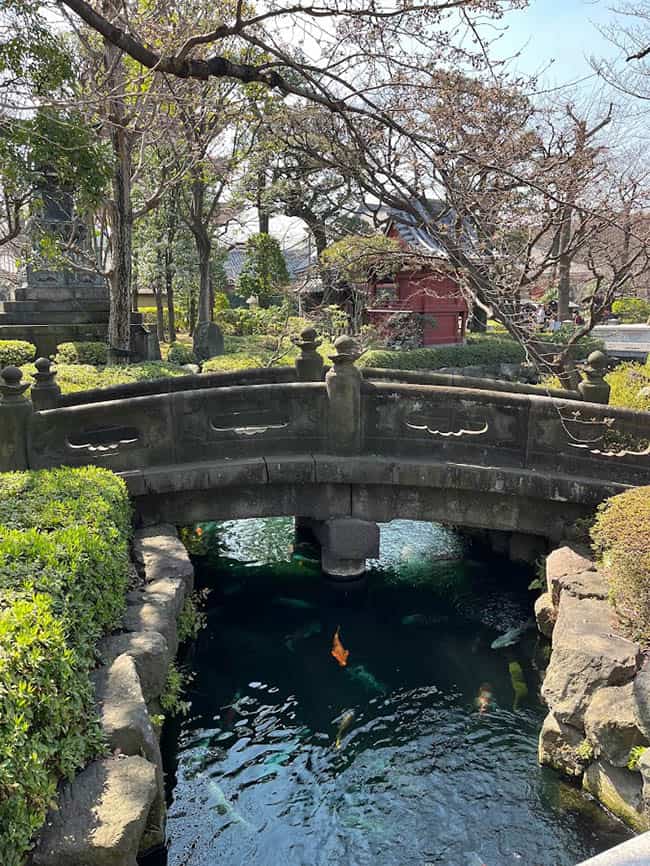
(627, 381)
(63, 574)
(16, 353)
(180, 354)
(244, 322)
(621, 536)
(631, 311)
(150, 317)
(484, 350)
(57, 498)
(82, 353)
(72, 378)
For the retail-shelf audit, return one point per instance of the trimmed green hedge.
(72, 378)
(63, 577)
(621, 536)
(631, 311)
(82, 353)
(180, 354)
(478, 351)
(16, 353)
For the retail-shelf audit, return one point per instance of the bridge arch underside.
(376, 489)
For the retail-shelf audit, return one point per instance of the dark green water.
(438, 765)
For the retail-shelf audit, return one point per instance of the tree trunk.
(564, 267)
(171, 224)
(120, 212)
(263, 215)
(203, 248)
(478, 321)
(169, 291)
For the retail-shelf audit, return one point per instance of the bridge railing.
(484, 428)
(298, 411)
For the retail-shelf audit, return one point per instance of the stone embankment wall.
(597, 688)
(115, 808)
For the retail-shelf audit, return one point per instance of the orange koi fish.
(338, 650)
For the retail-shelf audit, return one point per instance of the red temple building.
(429, 291)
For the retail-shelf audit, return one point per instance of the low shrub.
(16, 353)
(72, 378)
(245, 353)
(631, 311)
(478, 350)
(82, 353)
(57, 498)
(580, 350)
(627, 381)
(180, 354)
(244, 322)
(621, 537)
(63, 575)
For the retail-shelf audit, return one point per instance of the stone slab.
(634, 852)
(545, 614)
(619, 791)
(558, 745)
(162, 554)
(586, 656)
(101, 816)
(612, 725)
(149, 651)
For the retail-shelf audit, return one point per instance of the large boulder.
(123, 711)
(586, 656)
(558, 747)
(571, 569)
(161, 554)
(101, 816)
(155, 613)
(128, 731)
(641, 690)
(611, 724)
(618, 790)
(149, 651)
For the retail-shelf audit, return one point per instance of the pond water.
(420, 750)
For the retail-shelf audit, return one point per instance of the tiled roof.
(298, 262)
(423, 232)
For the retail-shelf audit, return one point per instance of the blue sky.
(565, 31)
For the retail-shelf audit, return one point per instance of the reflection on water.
(420, 749)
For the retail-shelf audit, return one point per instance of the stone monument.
(57, 306)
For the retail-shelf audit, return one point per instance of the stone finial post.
(15, 412)
(309, 364)
(45, 391)
(594, 388)
(343, 384)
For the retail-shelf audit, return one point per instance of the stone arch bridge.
(342, 451)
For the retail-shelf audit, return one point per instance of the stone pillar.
(346, 543)
(594, 388)
(309, 364)
(15, 412)
(343, 383)
(45, 392)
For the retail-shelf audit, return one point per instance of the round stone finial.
(43, 365)
(597, 360)
(12, 387)
(309, 334)
(346, 349)
(11, 375)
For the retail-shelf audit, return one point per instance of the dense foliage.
(478, 351)
(631, 311)
(180, 354)
(63, 576)
(82, 353)
(16, 352)
(244, 322)
(264, 272)
(630, 384)
(621, 535)
(83, 377)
